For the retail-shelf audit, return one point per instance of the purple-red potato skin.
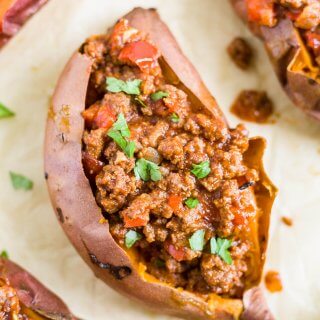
(33, 294)
(75, 203)
(283, 46)
(13, 15)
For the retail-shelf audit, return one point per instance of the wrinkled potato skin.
(33, 294)
(282, 43)
(80, 218)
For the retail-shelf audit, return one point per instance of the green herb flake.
(129, 87)
(122, 126)
(5, 112)
(20, 182)
(4, 254)
(147, 170)
(197, 240)
(221, 247)
(201, 170)
(192, 203)
(131, 238)
(175, 118)
(159, 263)
(141, 102)
(118, 134)
(159, 95)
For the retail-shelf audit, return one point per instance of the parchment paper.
(29, 67)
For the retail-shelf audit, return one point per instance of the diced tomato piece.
(89, 114)
(135, 222)
(91, 165)
(261, 11)
(293, 15)
(141, 53)
(174, 201)
(177, 253)
(104, 118)
(239, 219)
(313, 41)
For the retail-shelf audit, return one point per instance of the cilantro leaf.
(4, 254)
(197, 240)
(131, 238)
(128, 147)
(5, 112)
(201, 170)
(129, 87)
(221, 247)
(141, 102)
(122, 126)
(175, 118)
(192, 203)
(20, 182)
(159, 95)
(147, 170)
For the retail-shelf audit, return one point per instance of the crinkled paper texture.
(30, 65)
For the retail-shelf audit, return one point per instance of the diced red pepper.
(293, 15)
(174, 201)
(91, 165)
(313, 41)
(141, 53)
(177, 253)
(261, 11)
(135, 222)
(89, 114)
(239, 219)
(104, 118)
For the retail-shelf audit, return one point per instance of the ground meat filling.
(304, 14)
(169, 177)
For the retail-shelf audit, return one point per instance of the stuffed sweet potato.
(13, 14)
(24, 297)
(164, 201)
(290, 30)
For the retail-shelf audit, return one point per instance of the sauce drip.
(273, 281)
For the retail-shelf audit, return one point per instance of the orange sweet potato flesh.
(291, 61)
(36, 300)
(13, 14)
(79, 213)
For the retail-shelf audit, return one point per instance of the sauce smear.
(253, 106)
(273, 281)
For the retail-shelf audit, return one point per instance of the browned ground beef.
(241, 53)
(225, 207)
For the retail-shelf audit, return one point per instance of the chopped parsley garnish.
(141, 102)
(129, 87)
(131, 238)
(197, 240)
(192, 203)
(4, 254)
(20, 182)
(201, 170)
(175, 118)
(119, 132)
(5, 112)
(220, 247)
(159, 95)
(147, 170)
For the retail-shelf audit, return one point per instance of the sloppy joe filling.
(169, 176)
(305, 15)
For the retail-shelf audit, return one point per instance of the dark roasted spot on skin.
(246, 185)
(119, 272)
(46, 175)
(60, 215)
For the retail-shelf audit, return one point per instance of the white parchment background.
(29, 68)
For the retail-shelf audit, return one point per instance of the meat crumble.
(169, 177)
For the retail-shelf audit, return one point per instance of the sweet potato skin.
(13, 15)
(33, 294)
(282, 44)
(67, 182)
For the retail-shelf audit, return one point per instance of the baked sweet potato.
(292, 43)
(72, 173)
(13, 14)
(21, 295)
